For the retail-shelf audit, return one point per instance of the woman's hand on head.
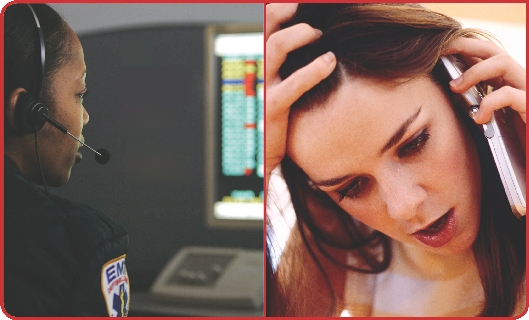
(281, 94)
(494, 67)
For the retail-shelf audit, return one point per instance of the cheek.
(447, 161)
(70, 114)
(454, 161)
(371, 213)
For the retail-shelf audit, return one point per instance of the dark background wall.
(91, 18)
(146, 104)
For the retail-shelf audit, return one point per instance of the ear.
(13, 98)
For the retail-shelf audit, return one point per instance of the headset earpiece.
(28, 113)
(29, 109)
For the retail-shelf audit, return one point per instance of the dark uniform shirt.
(61, 257)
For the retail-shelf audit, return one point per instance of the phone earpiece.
(28, 114)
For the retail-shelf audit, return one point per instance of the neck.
(21, 152)
(433, 265)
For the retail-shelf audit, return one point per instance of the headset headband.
(42, 52)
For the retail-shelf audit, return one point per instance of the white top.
(419, 283)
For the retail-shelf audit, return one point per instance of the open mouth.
(439, 232)
(437, 225)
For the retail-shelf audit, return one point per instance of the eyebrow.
(391, 142)
(400, 132)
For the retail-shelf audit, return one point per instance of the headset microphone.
(102, 156)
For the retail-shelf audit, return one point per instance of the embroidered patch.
(115, 287)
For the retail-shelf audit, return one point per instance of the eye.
(353, 189)
(416, 145)
(83, 94)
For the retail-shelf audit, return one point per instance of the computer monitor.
(234, 126)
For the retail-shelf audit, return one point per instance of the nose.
(86, 117)
(402, 193)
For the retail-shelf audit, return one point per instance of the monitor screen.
(235, 127)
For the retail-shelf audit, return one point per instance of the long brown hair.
(388, 42)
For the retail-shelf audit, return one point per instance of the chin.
(59, 180)
(460, 244)
(468, 232)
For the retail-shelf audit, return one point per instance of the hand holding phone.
(503, 139)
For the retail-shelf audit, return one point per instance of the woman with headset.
(60, 258)
(400, 208)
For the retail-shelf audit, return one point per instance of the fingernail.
(318, 32)
(456, 82)
(329, 57)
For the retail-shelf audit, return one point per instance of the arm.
(101, 288)
(281, 94)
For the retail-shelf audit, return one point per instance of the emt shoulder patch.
(115, 287)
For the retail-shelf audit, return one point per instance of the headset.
(31, 113)
(29, 108)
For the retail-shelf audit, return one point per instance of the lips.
(78, 154)
(440, 232)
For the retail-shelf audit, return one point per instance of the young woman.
(60, 258)
(400, 209)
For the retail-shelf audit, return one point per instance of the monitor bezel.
(211, 127)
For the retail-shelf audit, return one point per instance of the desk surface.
(146, 304)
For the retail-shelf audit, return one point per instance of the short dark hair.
(22, 61)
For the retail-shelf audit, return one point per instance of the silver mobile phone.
(502, 137)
